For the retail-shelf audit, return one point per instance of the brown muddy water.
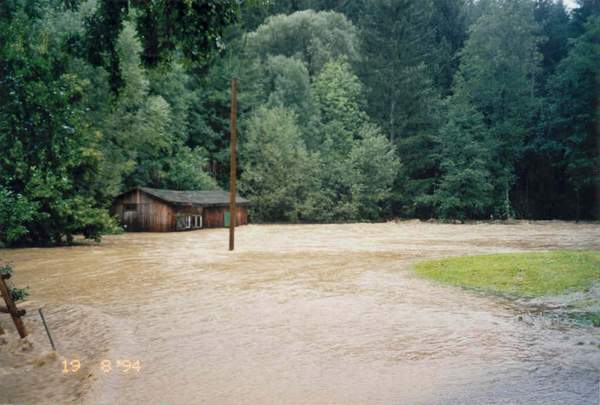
(305, 314)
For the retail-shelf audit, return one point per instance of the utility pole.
(232, 165)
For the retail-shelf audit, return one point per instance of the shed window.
(182, 222)
(130, 207)
(189, 221)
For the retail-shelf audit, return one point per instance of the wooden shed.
(156, 210)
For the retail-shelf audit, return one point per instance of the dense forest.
(349, 110)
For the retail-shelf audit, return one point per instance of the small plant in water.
(17, 294)
(592, 318)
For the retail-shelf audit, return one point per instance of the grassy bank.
(518, 274)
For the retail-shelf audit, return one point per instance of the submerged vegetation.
(360, 110)
(566, 282)
(519, 274)
(17, 294)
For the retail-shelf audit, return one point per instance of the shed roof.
(203, 198)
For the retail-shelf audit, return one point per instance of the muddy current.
(304, 314)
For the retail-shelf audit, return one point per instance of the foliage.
(191, 27)
(286, 83)
(373, 168)
(17, 294)
(314, 38)
(575, 116)
(185, 171)
(68, 144)
(15, 212)
(348, 111)
(338, 94)
(465, 187)
(403, 43)
(48, 151)
(499, 63)
(277, 166)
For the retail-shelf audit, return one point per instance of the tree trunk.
(578, 212)
(507, 202)
(392, 108)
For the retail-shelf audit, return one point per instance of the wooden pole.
(47, 330)
(12, 308)
(232, 165)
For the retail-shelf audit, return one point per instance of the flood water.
(305, 314)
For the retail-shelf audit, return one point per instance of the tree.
(374, 168)
(553, 20)
(311, 37)
(465, 188)
(496, 76)
(338, 96)
(186, 171)
(191, 27)
(397, 43)
(574, 118)
(580, 15)
(277, 169)
(400, 64)
(418, 149)
(450, 22)
(15, 213)
(286, 83)
(145, 134)
(48, 153)
(536, 193)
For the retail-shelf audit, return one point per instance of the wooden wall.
(154, 215)
(151, 214)
(214, 217)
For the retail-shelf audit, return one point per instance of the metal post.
(47, 330)
(11, 308)
(232, 165)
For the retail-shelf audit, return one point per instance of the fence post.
(11, 308)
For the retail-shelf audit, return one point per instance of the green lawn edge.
(523, 275)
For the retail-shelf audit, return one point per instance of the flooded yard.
(297, 314)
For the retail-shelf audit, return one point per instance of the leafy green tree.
(186, 170)
(47, 150)
(137, 128)
(286, 83)
(553, 20)
(575, 117)
(338, 93)
(192, 28)
(465, 188)
(418, 150)
(402, 61)
(373, 169)
(580, 15)
(277, 169)
(174, 84)
(354, 186)
(498, 67)
(15, 212)
(312, 37)
(449, 19)
(146, 134)
(208, 115)
(536, 193)
(397, 42)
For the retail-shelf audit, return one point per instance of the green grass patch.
(518, 274)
